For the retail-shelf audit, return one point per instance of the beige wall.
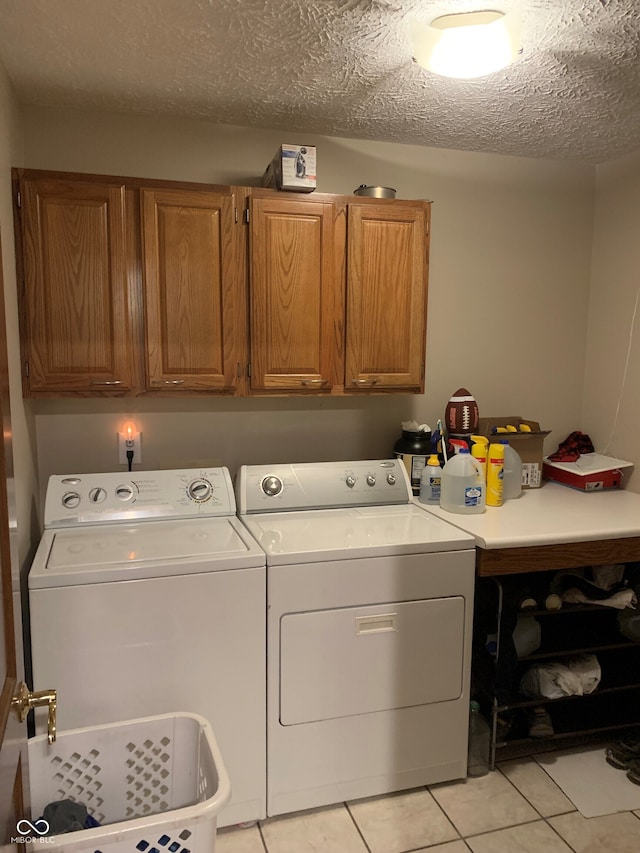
(611, 403)
(509, 284)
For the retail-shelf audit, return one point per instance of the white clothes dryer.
(370, 607)
(147, 596)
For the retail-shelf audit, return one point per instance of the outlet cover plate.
(122, 449)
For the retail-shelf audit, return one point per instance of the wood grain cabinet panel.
(75, 295)
(387, 263)
(194, 291)
(295, 296)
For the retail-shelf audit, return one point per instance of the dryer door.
(358, 660)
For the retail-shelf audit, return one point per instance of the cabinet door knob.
(106, 382)
(313, 381)
(373, 381)
(167, 382)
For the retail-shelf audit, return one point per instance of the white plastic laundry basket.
(155, 785)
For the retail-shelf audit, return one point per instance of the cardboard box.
(528, 445)
(293, 168)
(591, 472)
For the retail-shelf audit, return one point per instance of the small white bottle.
(430, 481)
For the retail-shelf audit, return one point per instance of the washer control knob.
(97, 495)
(272, 486)
(70, 500)
(391, 479)
(371, 479)
(124, 493)
(350, 481)
(199, 490)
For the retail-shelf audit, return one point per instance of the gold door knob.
(25, 700)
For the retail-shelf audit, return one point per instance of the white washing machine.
(147, 596)
(370, 605)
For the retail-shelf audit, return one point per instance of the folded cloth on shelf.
(577, 676)
(619, 600)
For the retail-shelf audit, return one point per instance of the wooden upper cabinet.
(75, 298)
(387, 277)
(131, 286)
(296, 303)
(195, 301)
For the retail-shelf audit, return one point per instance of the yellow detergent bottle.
(495, 473)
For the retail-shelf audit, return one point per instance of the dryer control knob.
(272, 486)
(97, 495)
(350, 481)
(371, 479)
(391, 479)
(199, 490)
(70, 500)
(124, 492)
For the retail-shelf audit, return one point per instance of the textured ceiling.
(337, 67)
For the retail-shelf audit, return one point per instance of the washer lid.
(340, 534)
(117, 552)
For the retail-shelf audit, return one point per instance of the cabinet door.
(77, 321)
(194, 290)
(387, 276)
(296, 296)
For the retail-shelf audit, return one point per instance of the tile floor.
(516, 808)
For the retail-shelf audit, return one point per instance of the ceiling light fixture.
(468, 44)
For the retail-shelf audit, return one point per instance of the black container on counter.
(414, 448)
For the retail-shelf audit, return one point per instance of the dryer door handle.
(376, 624)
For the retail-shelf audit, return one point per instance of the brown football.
(461, 414)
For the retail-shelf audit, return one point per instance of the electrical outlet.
(125, 444)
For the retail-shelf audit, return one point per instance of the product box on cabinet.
(528, 445)
(293, 168)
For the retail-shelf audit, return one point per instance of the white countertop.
(551, 515)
